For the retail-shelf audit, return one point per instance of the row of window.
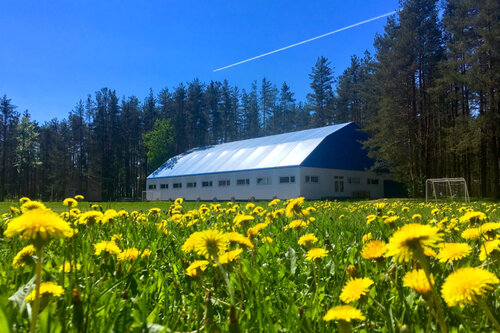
(239, 182)
(338, 182)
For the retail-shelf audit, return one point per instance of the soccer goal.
(446, 189)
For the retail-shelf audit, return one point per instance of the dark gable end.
(341, 150)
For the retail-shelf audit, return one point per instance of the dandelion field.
(279, 266)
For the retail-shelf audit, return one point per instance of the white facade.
(266, 184)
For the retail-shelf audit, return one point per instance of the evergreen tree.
(250, 110)
(213, 101)
(27, 159)
(321, 100)
(197, 117)
(268, 97)
(8, 122)
(403, 130)
(285, 117)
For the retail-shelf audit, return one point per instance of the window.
(224, 182)
(264, 181)
(287, 179)
(339, 183)
(353, 180)
(191, 185)
(177, 185)
(163, 186)
(206, 184)
(152, 186)
(372, 181)
(243, 181)
(312, 179)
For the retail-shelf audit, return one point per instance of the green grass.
(274, 288)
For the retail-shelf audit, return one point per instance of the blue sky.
(54, 53)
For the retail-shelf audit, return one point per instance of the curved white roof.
(275, 151)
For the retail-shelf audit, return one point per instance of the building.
(319, 163)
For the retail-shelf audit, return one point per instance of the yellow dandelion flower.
(230, 256)
(411, 237)
(295, 224)
(417, 280)
(106, 247)
(235, 237)
(79, 197)
(472, 217)
(416, 216)
(178, 201)
(24, 256)
(242, 219)
(211, 243)
(24, 200)
(196, 268)
(379, 205)
(373, 249)
(267, 239)
(190, 243)
(453, 251)
(367, 237)
(123, 213)
(488, 247)
(70, 202)
(391, 219)
(31, 205)
(89, 218)
(109, 216)
(69, 266)
(344, 312)
(129, 255)
(316, 253)
(274, 202)
(117, 237)
(370, 218)
(307, 240)
(46, 289)
(405, 209)
(39, 225)
(354, 289)
(294, 207)
(471, 233)
(146, 253)
(467, 285)
(14, 210)
(154, 212)
(489, 226)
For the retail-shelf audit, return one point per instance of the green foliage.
(158, 143)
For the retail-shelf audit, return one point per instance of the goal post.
(446, 189)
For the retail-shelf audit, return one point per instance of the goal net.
(446, 189)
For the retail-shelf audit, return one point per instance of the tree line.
(428, 97)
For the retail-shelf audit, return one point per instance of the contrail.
(306, 41)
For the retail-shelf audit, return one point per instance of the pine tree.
(8, 122)
(268, 97)
(27, 158)
(321, 100)
(403, 130)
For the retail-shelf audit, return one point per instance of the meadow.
(278, 266)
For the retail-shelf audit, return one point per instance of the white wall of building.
(312, 183)
(350, 183)
(269, 189)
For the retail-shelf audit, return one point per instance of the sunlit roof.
(275, 151)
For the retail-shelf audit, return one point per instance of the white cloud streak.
(305, 41)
